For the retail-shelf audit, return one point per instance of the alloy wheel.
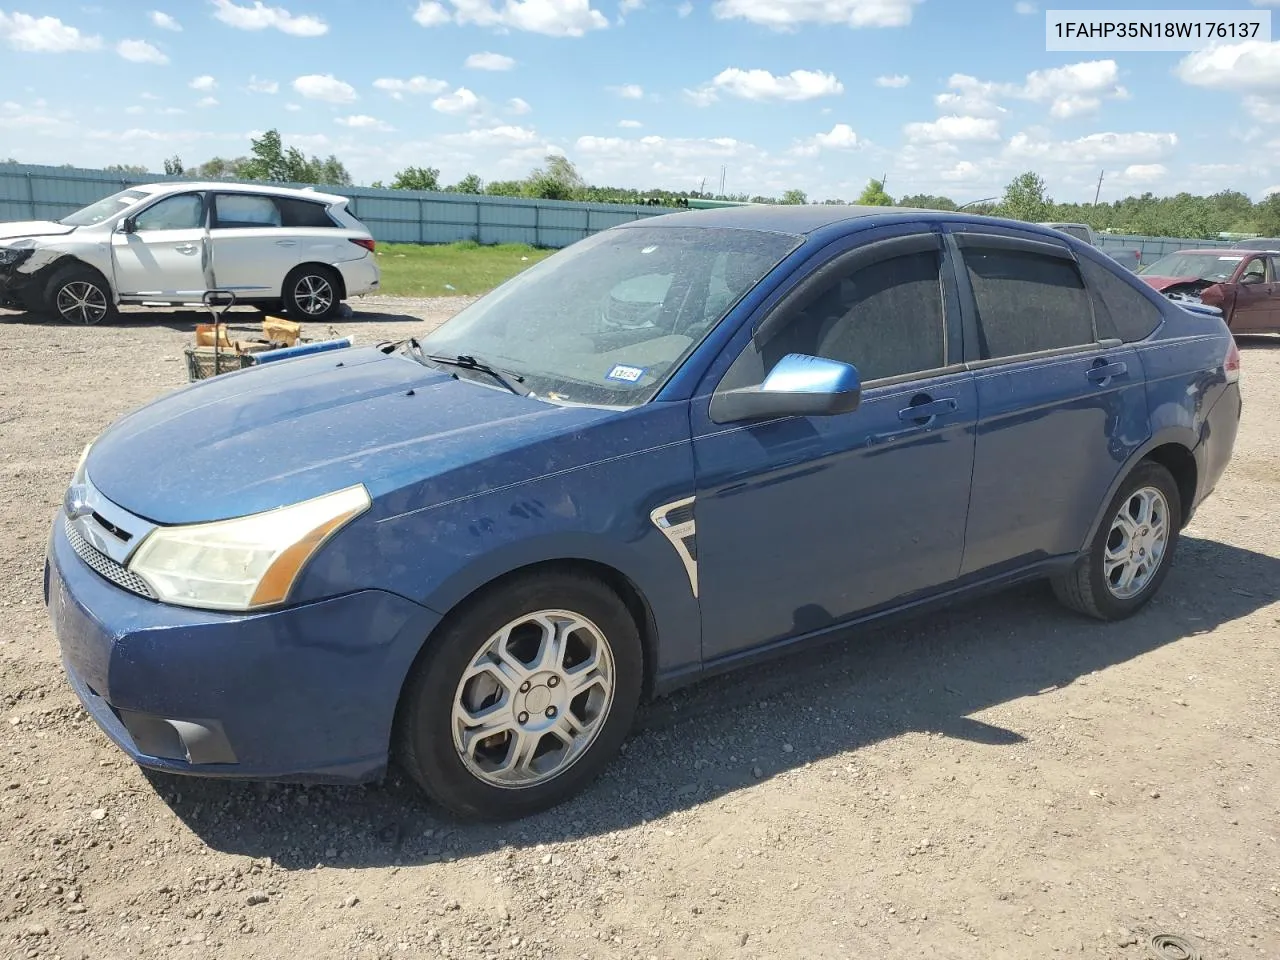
(82, 302)
(313, 294)
(533, 699)
(1136, 543)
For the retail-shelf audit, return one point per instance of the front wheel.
(523, 697)
(78, 294)
(311, 293)
(1132, 550)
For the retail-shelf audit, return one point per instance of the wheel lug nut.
(553, 681)
(551, 713)
(523, 718)
(524, 687)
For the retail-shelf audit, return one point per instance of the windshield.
(1206, 266)
(608, 319)
(104, 209)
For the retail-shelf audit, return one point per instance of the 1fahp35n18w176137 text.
(1135, 30)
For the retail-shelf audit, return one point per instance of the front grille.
(103, 565)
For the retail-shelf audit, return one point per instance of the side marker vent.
(677, 524)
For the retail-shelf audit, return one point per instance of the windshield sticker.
(626, 373)
(1231, 259)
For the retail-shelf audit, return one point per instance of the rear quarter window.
(303, 213)
(1122, 311)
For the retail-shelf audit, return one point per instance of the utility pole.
(702, 186)
(884, 180)
(1097, 193)
(723, 169)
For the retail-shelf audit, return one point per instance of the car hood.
(21, 229)
(1164, 283)
(273, 435)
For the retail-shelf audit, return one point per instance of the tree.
(557, 180)
(1024, 198)
(795, 196)
(173, 166)
(220, 168)
(1268, 222)
(468, 184)
(417, 178)
(926, 201)
(505, 188)
(269, 160)
(873, 195)
(129, 168)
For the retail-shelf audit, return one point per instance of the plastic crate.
(203, 362)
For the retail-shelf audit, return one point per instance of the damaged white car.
(166, 244)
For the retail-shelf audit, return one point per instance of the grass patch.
(451, 270)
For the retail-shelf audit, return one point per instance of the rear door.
(166, 257)
(1059, 408)
(252, 251)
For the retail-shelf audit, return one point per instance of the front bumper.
(17, 289)
(304, 694)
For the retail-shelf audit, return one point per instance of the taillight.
(1231, 366)
(366, 242)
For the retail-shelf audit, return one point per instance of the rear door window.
(1027, 302)
(240, 210)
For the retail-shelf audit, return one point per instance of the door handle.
(1102, 372)
(286, 243)
(186, 248)
(928, 409)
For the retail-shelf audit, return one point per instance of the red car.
(1243, 284)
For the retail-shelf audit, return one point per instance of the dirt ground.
(1002, 780)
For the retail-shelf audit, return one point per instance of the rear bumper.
(360, 276)
(305, 694)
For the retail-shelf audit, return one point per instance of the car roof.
(175, 186)
(1218, 252)
(805, 219)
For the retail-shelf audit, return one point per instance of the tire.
(444, 691)
(1096, 586)
(79, 294)
(312, 292)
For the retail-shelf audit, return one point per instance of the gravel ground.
(999, 780)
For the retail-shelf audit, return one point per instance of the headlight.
(247, 563)
(15, 253)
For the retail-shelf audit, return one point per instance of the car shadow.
(184, 319)
(929, 673)
(1257, 340)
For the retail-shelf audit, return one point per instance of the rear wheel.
(80, 295)
(1132, 550)
(523, 697)
(311, 292)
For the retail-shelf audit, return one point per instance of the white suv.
(169, 243)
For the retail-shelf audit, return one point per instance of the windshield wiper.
(511, 381)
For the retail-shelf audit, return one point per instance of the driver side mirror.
(799, 386)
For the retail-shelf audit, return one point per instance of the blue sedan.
(675, 447)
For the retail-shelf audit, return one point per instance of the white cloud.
(361, 121)
(1270, 190)
(164, 21)
(684, 10)
(493, 137)
(629, 91)
(135, 110)
(1252, 66)
(763, 85)
(1096, 147)
(630, 124)
(327, 87)
(789, 14)
(489, 61)
(518, 106)
(139, 51)
(261, 17)
(172, 111)
(840, 137)
(419, 86)
(962, 172)
(460, 101)
(1025, 8)
(206, 102)
(1263, 109)
(555, 18)
(204, 82)
(292, 107)
(1070, 91)
(263, 86)
(893, 81)
(30, 34)
(627, 6)
(953, 128)
(1144, 172)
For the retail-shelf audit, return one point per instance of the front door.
(803, 522)
(1059, 410)
(166, 257)
(1255, 296)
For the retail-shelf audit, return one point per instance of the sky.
(952, 97)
